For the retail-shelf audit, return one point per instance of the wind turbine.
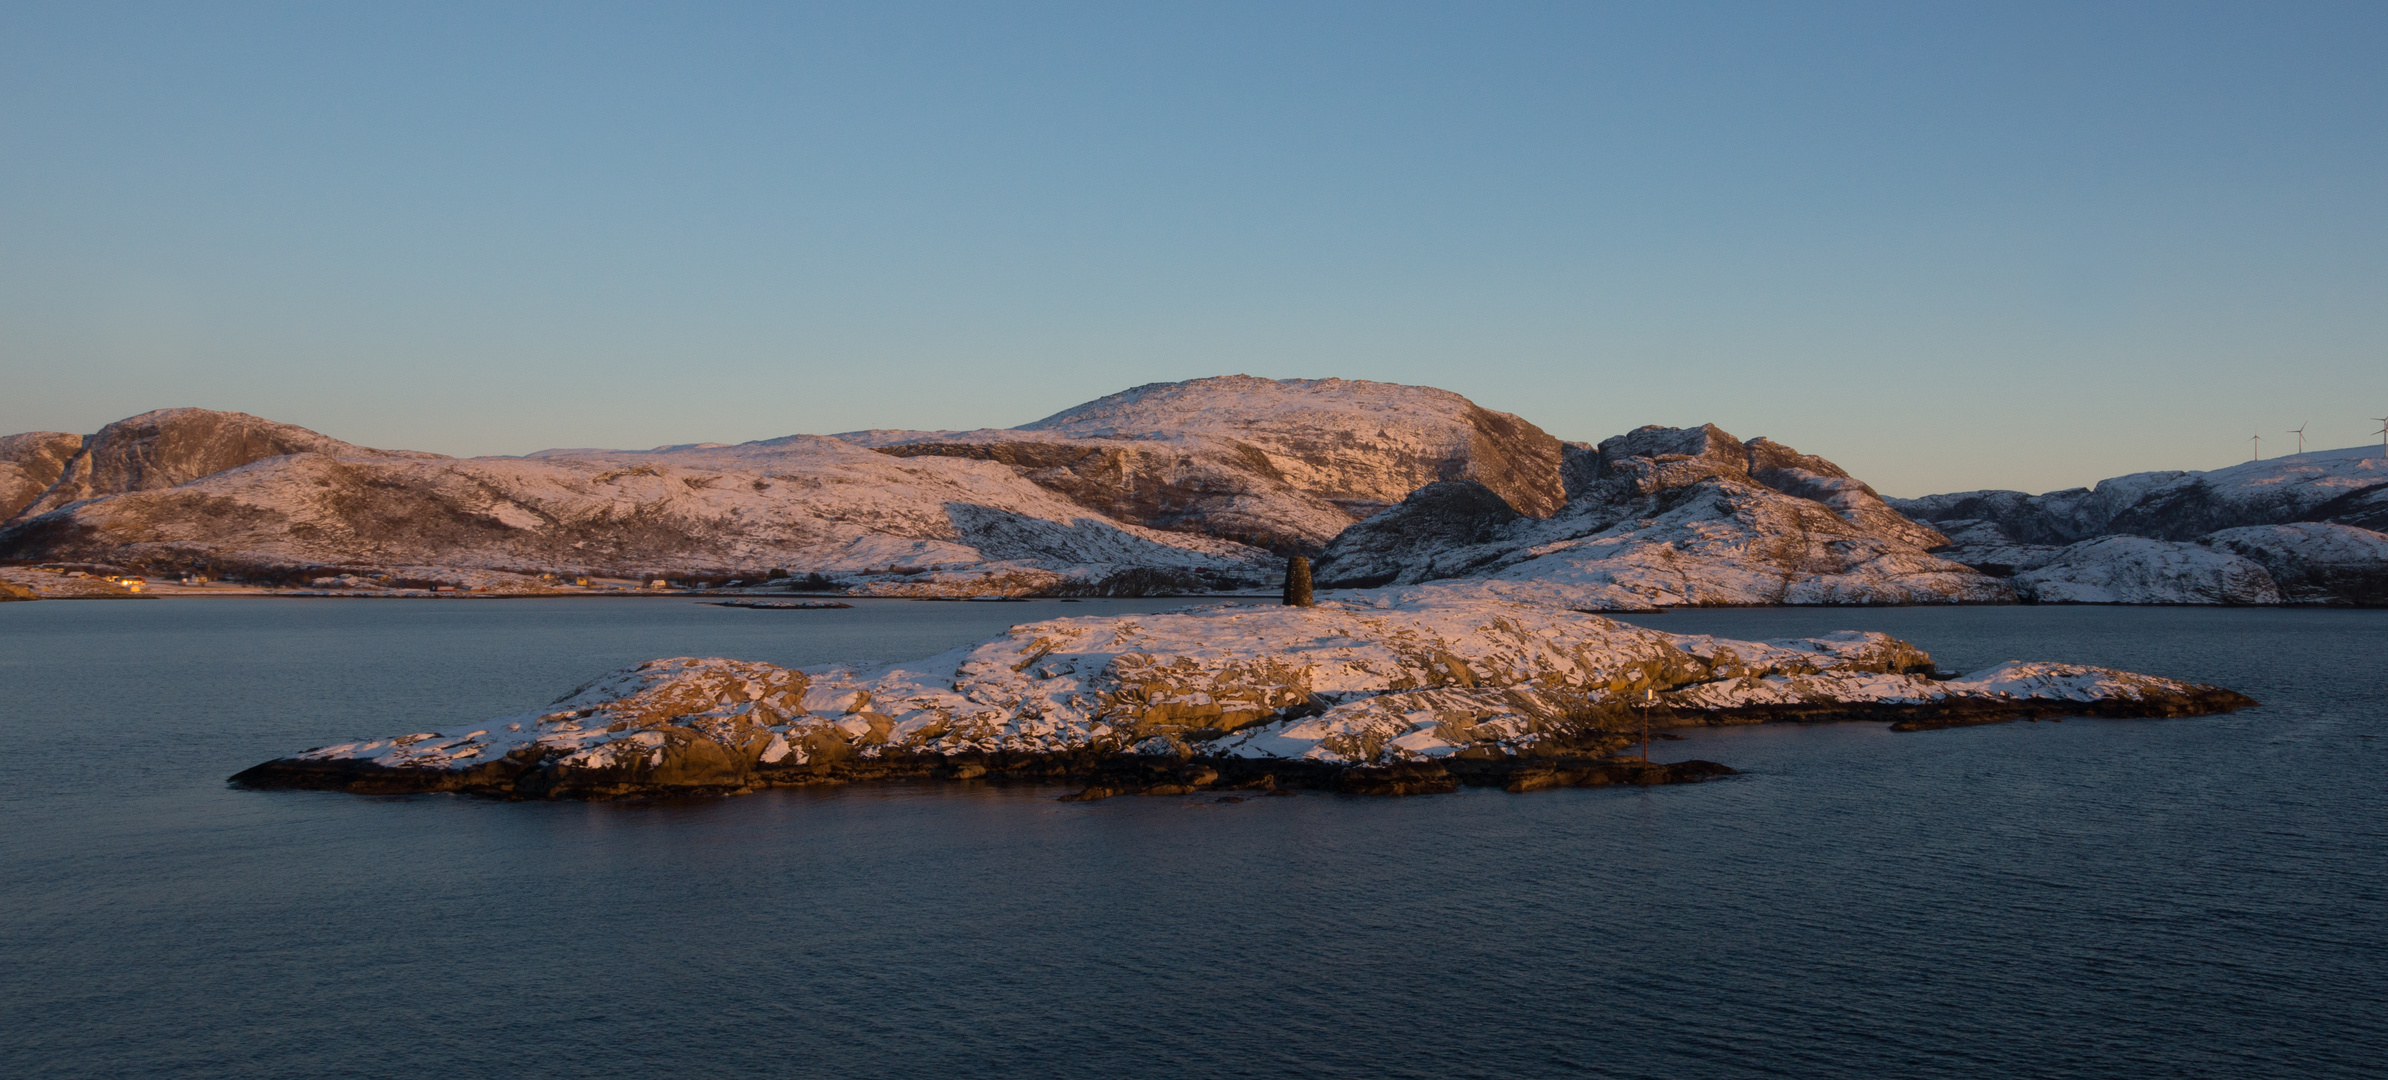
(2383, 433)
(2299, 432)
(2258, 440)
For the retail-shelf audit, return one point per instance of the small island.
(1392, 692)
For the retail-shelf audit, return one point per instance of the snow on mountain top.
(1228, 404)
(1239, 407)
(1283, 463)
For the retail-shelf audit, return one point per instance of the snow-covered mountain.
(1191, 486)
(1284, 464)
(2297, 529)
(1664, 517)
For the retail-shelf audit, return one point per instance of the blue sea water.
(2097, 898)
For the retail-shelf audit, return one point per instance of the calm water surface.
(2200, 897)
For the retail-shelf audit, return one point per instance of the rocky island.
(1392, 691)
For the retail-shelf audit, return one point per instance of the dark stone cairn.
(1297, 582)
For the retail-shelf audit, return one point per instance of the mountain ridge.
(1194, 486)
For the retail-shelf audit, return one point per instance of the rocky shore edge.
(548, 773)
(1097, 776)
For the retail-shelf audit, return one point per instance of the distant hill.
(2304, 528)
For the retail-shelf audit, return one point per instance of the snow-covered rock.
(1281, 463)
(2137, 570)
(1416, 676)
(1667, 517)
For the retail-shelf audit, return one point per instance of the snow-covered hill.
(2297, 529)
(1282, 463)
(1664, 517)
(2320, 486)
(804, 504)
(29, 464)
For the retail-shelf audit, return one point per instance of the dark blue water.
(2090, 898)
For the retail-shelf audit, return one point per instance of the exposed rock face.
(1663, 517)
(804, 503)
(1284, 464)
(1412, 696)
(29, 464)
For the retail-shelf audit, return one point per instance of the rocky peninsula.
(1394, 691)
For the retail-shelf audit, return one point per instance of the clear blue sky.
(1947, 245)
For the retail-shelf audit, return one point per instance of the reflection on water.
(2108, 898)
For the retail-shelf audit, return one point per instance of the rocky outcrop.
(1666, 517)
(1283, 464)
(30, 463)
(1405, 694)
(804, 504)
